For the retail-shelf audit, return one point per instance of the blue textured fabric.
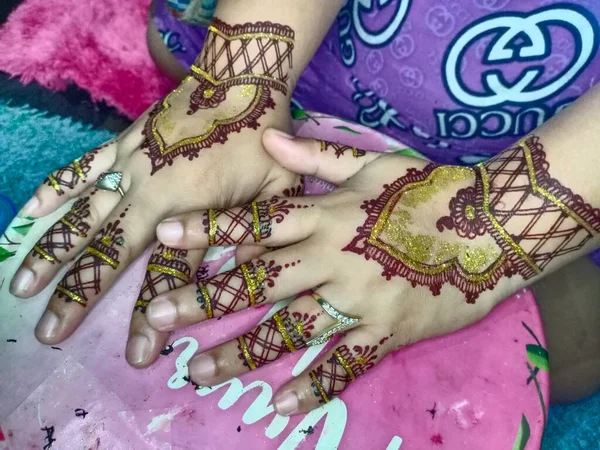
(575, 426)
(33, 144)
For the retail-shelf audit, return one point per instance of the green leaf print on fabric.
(348, 130)
(23, 229)
(5, 254)
(538, 356)
(522, 435)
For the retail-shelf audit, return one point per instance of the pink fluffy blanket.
(99, 45)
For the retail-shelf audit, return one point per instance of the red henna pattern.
(340, 149)
(167, 270)
(330, 379)
(69, 176)
(266, 343)
(59, 239)
(84, 278)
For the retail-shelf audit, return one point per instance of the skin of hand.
(200, 147)
(321, 245)
(231, 173)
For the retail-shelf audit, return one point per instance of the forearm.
(492, 229)
(533, 208)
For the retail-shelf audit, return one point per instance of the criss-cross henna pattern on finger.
(84, 278)
(239, 288)
(340, 149)
(167, 270)
(282, 333)
(69, 176)
(511, 218)
(251, 222)
(234, 76)
(59, 239)
(330, 379)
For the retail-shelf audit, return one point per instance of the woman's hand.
(398, 249)
(200, 147)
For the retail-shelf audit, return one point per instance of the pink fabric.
(99, 45)
(466, 390)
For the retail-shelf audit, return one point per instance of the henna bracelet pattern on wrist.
(84, 278)
(167, 270)
(513, 218)
(235, 73)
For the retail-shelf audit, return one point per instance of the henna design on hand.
(513, 202)
(84, 278)
(69, 176)
(239, 288)
(296, 191)
(253, 221)
(167, 270)
(241, 63)
(282, 333)
(59, 238)
(329, 380)
(340, 149)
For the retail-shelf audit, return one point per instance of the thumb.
(329, 161)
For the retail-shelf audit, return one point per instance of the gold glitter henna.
(331, 378)
(233, 76)
(59, 239)
(167, 270)
(340, 149)
(239, 288)
(71, 175)
(283, 333)
(252, 222)
(84, 278)
(513, 218)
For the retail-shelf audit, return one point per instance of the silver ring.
(110, 181)
(343, 321)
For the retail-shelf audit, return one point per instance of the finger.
(62, 242)
(278, 221)
(288, 330)
(69, 181)
(328, 161)
(123, 236)
(167, 269)
(275, 276)
(354, 354)
(245, 253)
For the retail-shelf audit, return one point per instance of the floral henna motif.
(253, 221)
(330, 379)
(513, 218)
(282, 333)
(296, 191)
(239, 288)
(235, 73)
(167, 270)
(84, 278)
(59, 238)
(69, 176)
(340, 149)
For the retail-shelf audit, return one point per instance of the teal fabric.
(574, 427)
(33, 144)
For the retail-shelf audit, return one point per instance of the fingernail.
(161, 313)
(282, 134)
(202, 367)
(138, 349)
(22, 282)
(47, 326)
(286, 404)
(170, 232)
(29, 207)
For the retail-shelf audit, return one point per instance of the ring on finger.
(110, 181)
(343, 321)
